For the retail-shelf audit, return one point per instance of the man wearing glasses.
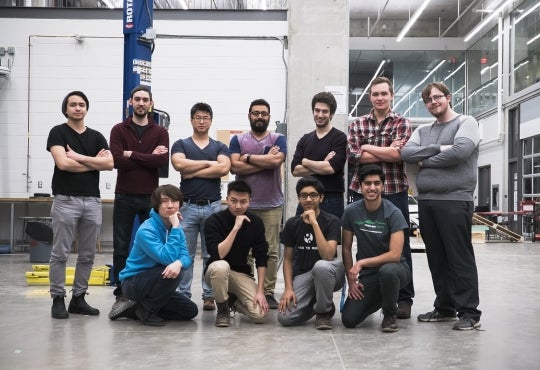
(256, 158)
(201, 161)
(447, 154)
(321, 153)
(377, 138)
(311, 269)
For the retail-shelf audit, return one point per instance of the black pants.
(446, 230)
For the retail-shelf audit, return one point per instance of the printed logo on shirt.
(370, 226)
(308, 238)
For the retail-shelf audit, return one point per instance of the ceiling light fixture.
(486, 21)
(412, 20)
(533, 39)
(419, 83)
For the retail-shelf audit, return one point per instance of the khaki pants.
(223, 281)
(272, 226)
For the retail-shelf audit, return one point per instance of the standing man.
(311, 270)
(447, 154)
(153, 267)
(377, 138)
(230, 236)
(140, 147)
(380, 270)
(256, 158)
(201, 161)
(321, 153)
(79, 154)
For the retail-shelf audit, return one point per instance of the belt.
(199, 202)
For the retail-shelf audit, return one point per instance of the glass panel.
(536, 185)
(527, 186)
(536, 146)
(536, 164)
(482, 68)
(527, 146)
(526, 45)
(527, 166)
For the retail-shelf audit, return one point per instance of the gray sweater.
(446, 173)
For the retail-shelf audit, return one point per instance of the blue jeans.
(73, 217)
(126, 208)
(158, 295)
(193, 225)
(400, 200)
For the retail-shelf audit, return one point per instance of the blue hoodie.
(156, 245)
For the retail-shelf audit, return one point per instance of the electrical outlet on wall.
(39, 184)
(107, 185)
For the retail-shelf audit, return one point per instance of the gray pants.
(314, 291)
(72, 217)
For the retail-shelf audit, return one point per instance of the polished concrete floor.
(509, 339)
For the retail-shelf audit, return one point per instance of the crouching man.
(153, 267)
(311, 270)
(230, 235)
(380, 270)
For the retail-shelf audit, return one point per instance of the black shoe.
(272, 303)
(403, 310)
(79, 305)
(389, 324)
(223, 318)
(435, 316)
(323, 321)
(125, 308)
(148, 318)
(466, 323)
(58, 309)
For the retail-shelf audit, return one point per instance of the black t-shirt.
(89, 143)
(300, 236)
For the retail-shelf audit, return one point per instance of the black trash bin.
(41, 237)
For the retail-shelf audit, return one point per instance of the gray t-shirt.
(373, 229)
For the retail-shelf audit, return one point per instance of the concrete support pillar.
(318, 58)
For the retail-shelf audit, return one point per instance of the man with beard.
(201, 161)
(256, 157)
(140, 147)
(377, 138)
(447, 154)
(321, 153)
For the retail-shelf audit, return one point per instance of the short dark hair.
(74, 93)
(239, 186)
(382, 80)
(439, 86)
(259, 102)
(168, 190)
(141, 88)
(326, 98)
(201, 107)
(371, 169)
(304, 182)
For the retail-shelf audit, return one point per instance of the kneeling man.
(230, 235)
(380, 270)
(311, 270)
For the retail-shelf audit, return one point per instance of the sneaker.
(223, 318)
(208, 304)
(403, 310)
(78, 305)
(466, 323)
(389, 324)
(435, 316)
(125, 308)
(58, 309)
(323, 321)
(272, 303)
(148, 318)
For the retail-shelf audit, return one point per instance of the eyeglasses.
(369, 183)
(312, 196)
(434, 98)
(259, 114)
(202, 118)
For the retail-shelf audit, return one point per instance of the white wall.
(50, 62)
